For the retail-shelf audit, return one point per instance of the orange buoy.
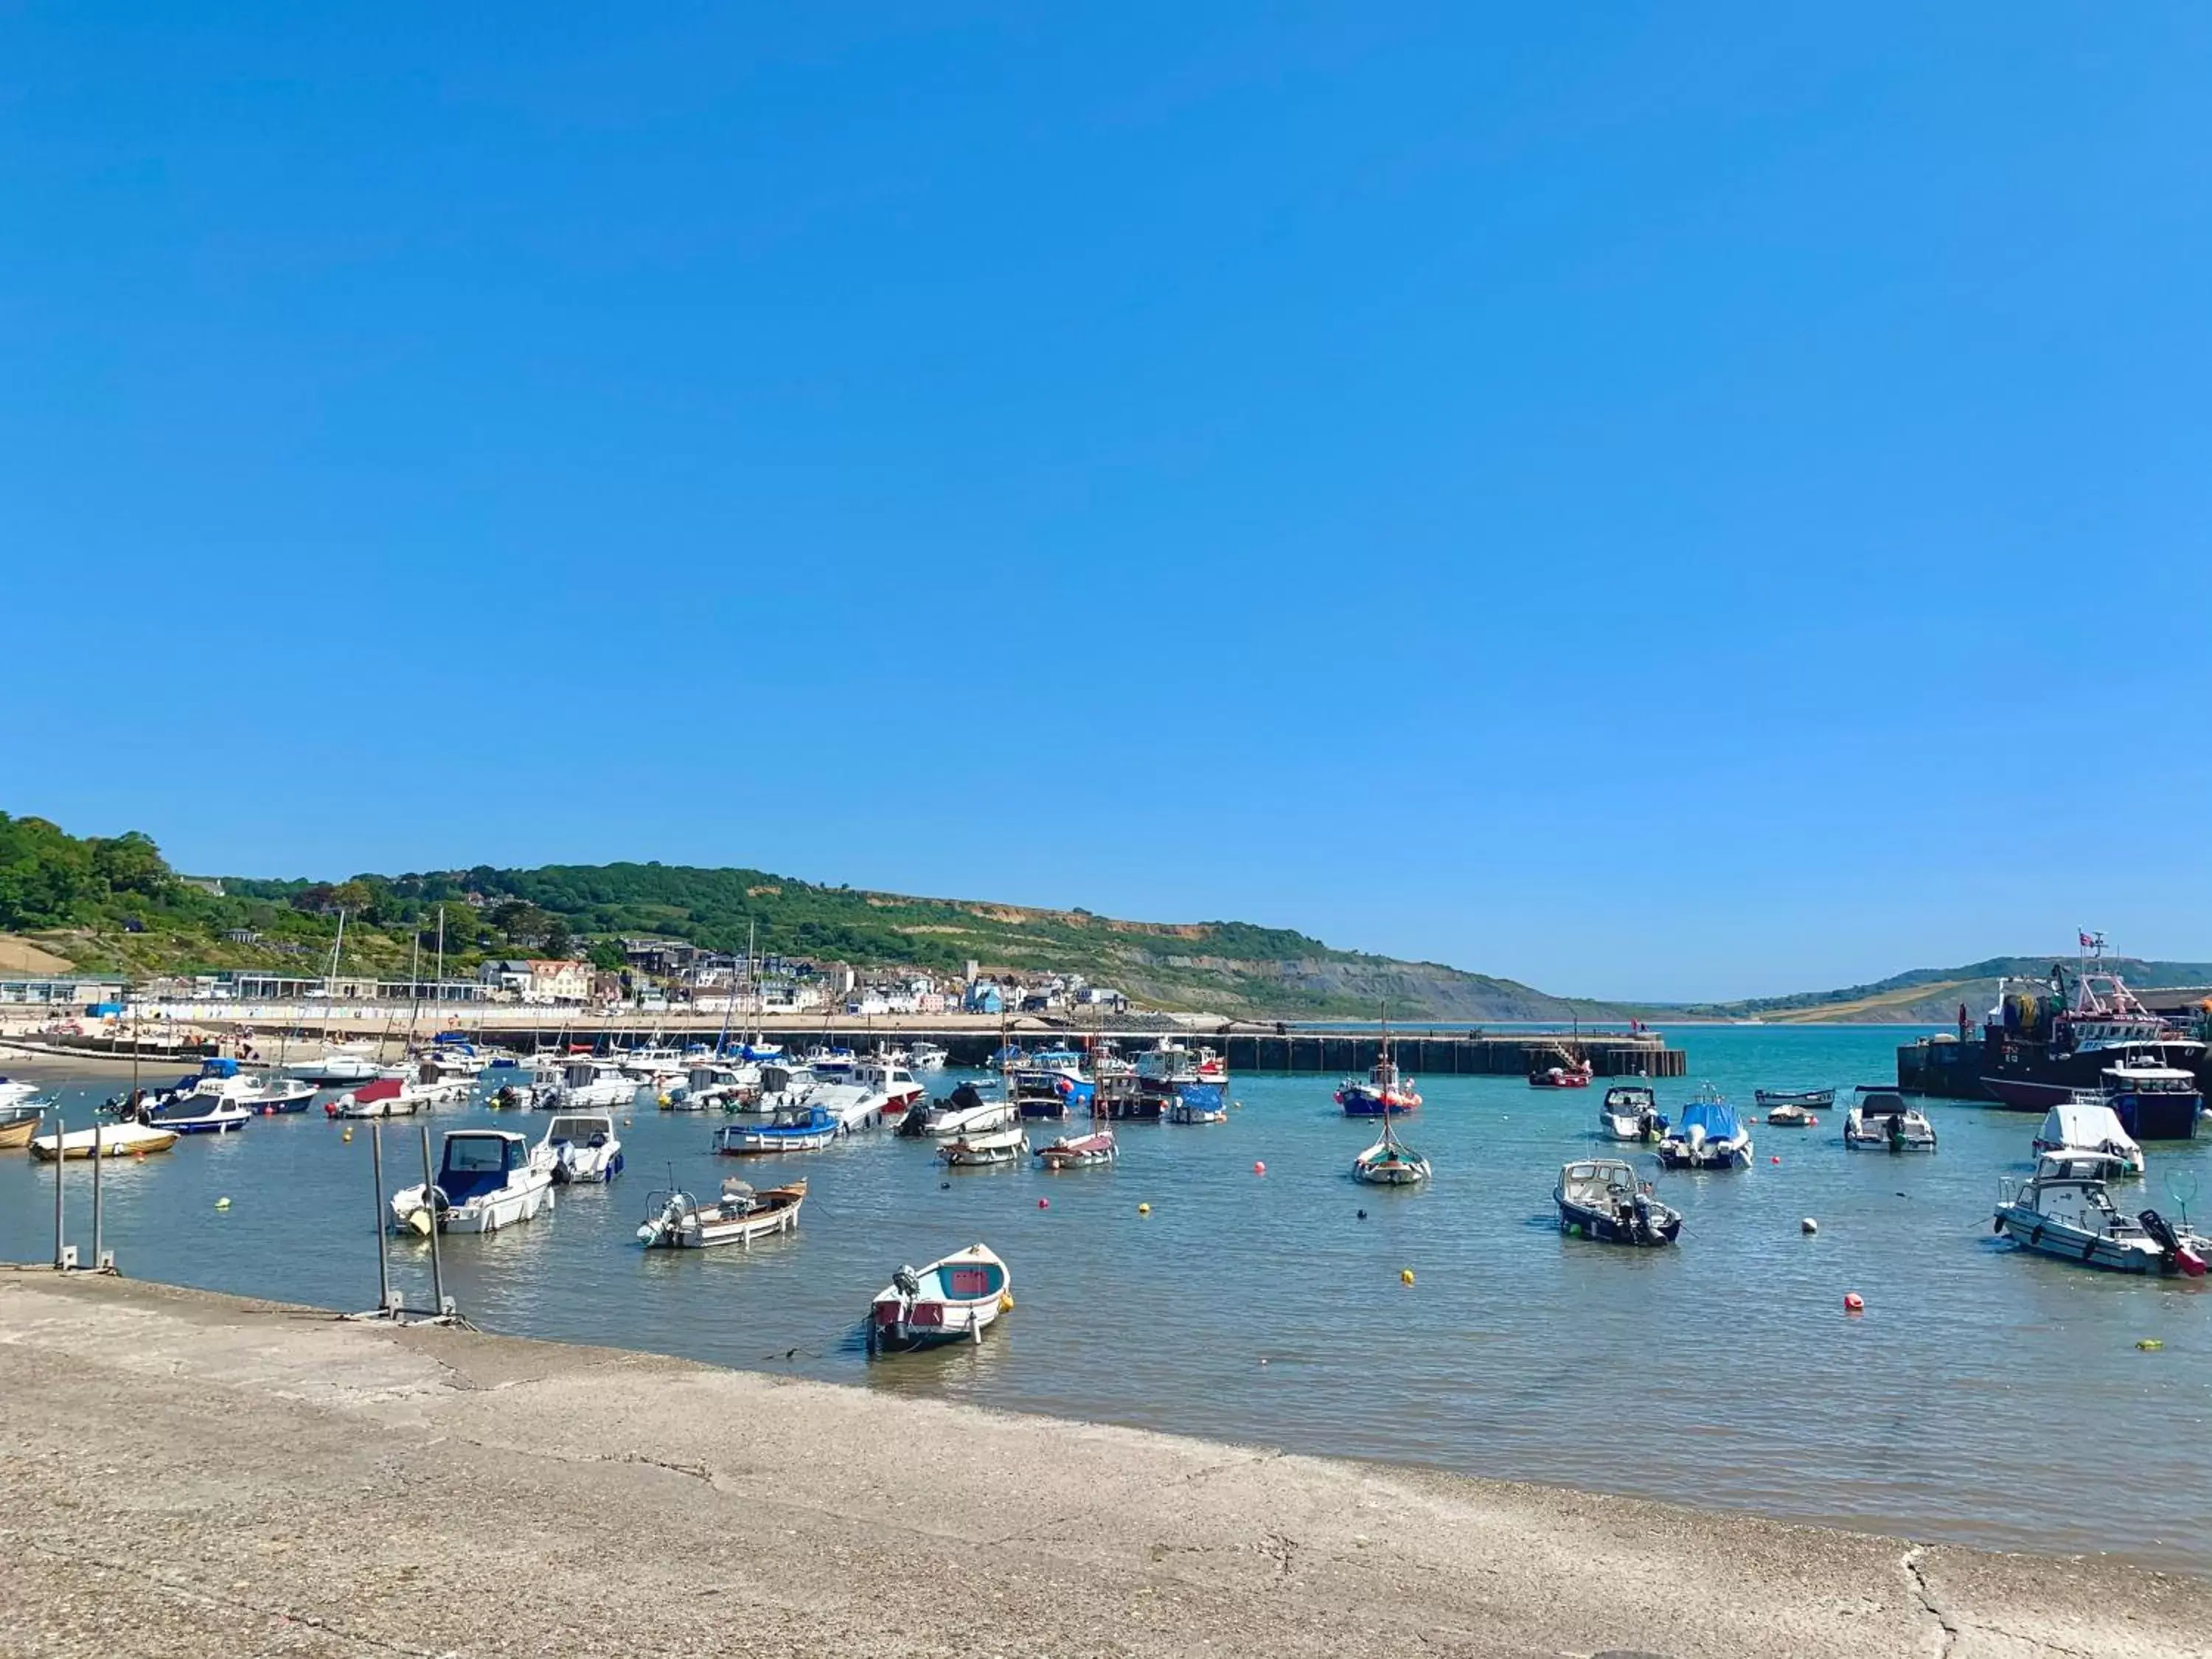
(1854, 1302)
(1259, 1169)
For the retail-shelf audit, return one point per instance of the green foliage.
(50, 879)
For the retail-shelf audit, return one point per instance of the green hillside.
(116, 906)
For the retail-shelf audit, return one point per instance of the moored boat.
(1383, 1092)
(1567, 1072)
(1790, 1115)
(385, 1097)
(927, 1057)
(1080, 1152)
(1196, 1108)
(486, 1179)
(193, 1113)
(989, 1147)
(1882, 1120)
(2064, 1210)
(17, 1125)
(1604, 1199)
(1389, 1161)
(2046, 1041)
(676, 1221)
(1771, 1101)
(951, 1300)
(1707, 1136)
(582, 1148)
(114, 1139)
(2085, 1126)
(1630, 1111)
(796, 1129)
(1050, 1085)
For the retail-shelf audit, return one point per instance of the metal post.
(430, 1199)
(376, 1174)
(61, 1163)
(98, 1260)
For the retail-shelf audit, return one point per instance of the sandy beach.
(192, 1473)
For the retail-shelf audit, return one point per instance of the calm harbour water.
(1262, 1308)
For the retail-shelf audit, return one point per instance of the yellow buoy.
(1405, 1275)
(420, 1221)
(1144, 1209)
(222, 1203)
(347, 1137)
(2150, 1345)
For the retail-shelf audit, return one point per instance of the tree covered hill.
(115, 905)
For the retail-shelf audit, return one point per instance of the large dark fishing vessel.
(2048, 1041)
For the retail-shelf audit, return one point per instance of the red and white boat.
(1571, 1072)
(1078, 1153)
(1384, 1093)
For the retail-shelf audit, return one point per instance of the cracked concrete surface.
(187, 1473)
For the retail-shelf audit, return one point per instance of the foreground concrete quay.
(188, 1473)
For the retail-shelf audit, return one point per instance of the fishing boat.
(987, 1147)
(1383, 1092)
(1170, 1071)
(1604, 1199)
(2064, 1210)
(1630, 1111)
(486, 1179)
(1190, 1109)
(2086, 1126)
(2046, 1040)
(1080, 1152)
(1881, 1121)
(1772, 1101)
(1709, 1136)
(17, 1125)
(582, 1148)
(927, 1057)
(953, 1300)
(115, 1140)
(1389, 1161)
(1121, 1097)
(674, 1220)
(797, 1129)
(1050, 1085)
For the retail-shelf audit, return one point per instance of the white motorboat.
(957, 1122)
(892, 1079)
(114, 1139)
(385, 1097)
(338, 1067)
(953, 1300)
(486, 1179)
(1604, 1199)
(1881, 1121)
(927, 1057)
(1709, 1137)
(1630, 1111)
(14, 1093)
(1008, 1146)
(580, 1084)
(582, 1148)
(675, 1221)
(2064, 1210)
(2088, 1126)
(194, 1113)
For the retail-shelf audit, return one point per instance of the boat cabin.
(1876, 1100)
(581, 1129)
(1599, 1183)
(475, 1162)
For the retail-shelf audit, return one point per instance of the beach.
(194, 1474)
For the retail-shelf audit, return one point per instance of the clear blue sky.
(1662, 500)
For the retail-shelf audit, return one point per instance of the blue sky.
(1654, 501)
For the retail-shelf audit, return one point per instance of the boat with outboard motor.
(989, 1147)
(582, 1148)
(951, 1300)
(1882, 1120)
(220, 1081)
(794, 1129)
(2064, 1210)
(1630, 1111)
(1707, 1136)
(674, 1220)
(2087, 1127)
(1604, 1199)
(1080, 1151)
(486, 1179)
(1389, 1161)
(966, 1110)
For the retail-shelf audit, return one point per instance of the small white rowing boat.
(998, 1146)
(116, 1140)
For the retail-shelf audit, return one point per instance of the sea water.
(1985, 1395)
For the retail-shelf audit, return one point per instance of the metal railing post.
(61, 1164)
(430, 1202)
(376, 1175)
(98, 1131)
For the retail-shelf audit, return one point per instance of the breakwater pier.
(195, 1473)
